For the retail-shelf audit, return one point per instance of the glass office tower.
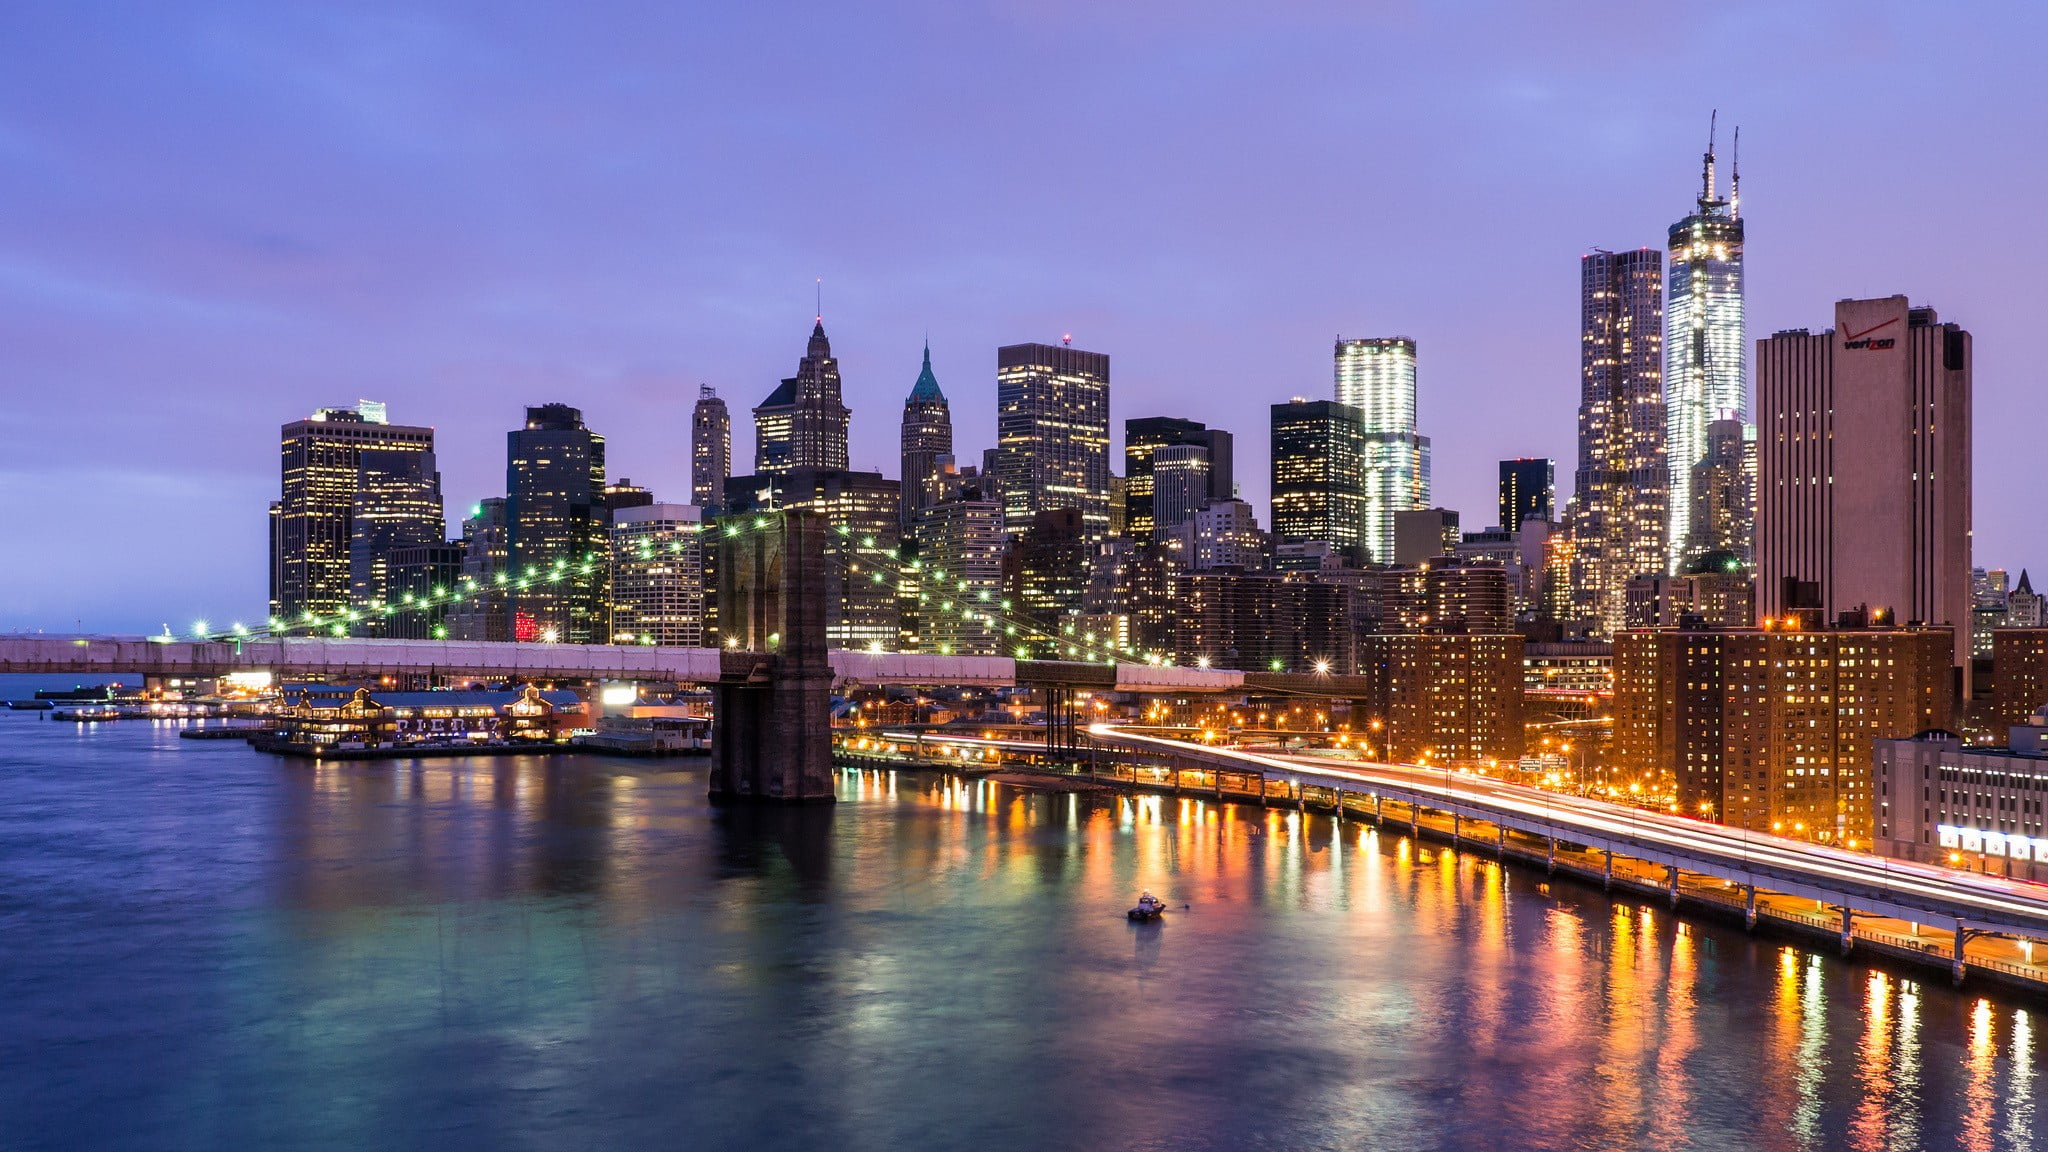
(1705, 352)
(1377, 377)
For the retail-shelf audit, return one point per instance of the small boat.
(1149, 907)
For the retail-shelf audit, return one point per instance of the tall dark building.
(415, 577)
(927, 439)
(313, 524)
(397, 507)
(1052, 435)
(1618, 510)
(482, 615)
(802, 424)
(556, 529)
(1143, 438)
(710, 450)
(1318, 476)
(1045, 573)
(864, 613)
(1528, 491)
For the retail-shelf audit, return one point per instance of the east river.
(206, 947)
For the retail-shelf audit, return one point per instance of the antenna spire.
(1707, 162)
(1735, 178)
(821, 299)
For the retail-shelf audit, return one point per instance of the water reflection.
(567, 952)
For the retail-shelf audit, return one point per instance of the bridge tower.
(771, 735)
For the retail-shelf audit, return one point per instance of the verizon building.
(1863, 494)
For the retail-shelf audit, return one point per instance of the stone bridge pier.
(771, 734)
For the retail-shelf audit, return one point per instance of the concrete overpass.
(1852, 882)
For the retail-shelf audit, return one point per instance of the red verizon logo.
(1863, 339)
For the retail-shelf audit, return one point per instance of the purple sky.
(217, 217)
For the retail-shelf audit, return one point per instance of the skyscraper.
(710, 450)
(482, 615)
(1723, 496)
(657, 575)
(1864, 478)
(1528, 491)
(1705, 353)
(1377, 377)
(862, 611)
(313, 524)
(1052, 435)
(1618, 508)
(555, 528)
(802, 424)
(1180, 486)
(1145, 436)
(927, 438)
(1318, 475)
(960, 551)
(397, 506)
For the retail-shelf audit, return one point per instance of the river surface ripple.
(205, 947)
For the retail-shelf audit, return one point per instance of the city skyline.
(240, 313)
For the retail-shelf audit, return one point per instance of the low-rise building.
(2019, 670)
(1457, 698)
(1940, 802)
(1771, 728)
(319, 718)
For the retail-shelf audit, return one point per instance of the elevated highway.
(1855, 883)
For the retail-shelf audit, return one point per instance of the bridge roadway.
(308, 657)
(1862, 884)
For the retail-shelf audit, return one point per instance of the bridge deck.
(309, 657)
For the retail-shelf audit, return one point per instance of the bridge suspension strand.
(1021, 635)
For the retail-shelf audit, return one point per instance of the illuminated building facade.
(960, 562)
(927, 441)
(2019, 685)
(1224, 534)
(1180, 486)
(1052, 435)
(1377, 377)
(1723, 495)
(1262, 622)
(1770, 729)
(397, 506)
(1863, 486)
(1145, 436)
(555, 529)
(1046, 571)
(1618, 514)
(415, 577)
(1528, 491)
(803, 423)
(1466, 596)
(485, 553)
(657, 575)
(863, 612)
(1318, 462)
(710, 450)
(1982, 809)
(1457, 698)
(312, 525)
(1706, 351)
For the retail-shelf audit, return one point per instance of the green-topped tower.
(927, 440)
